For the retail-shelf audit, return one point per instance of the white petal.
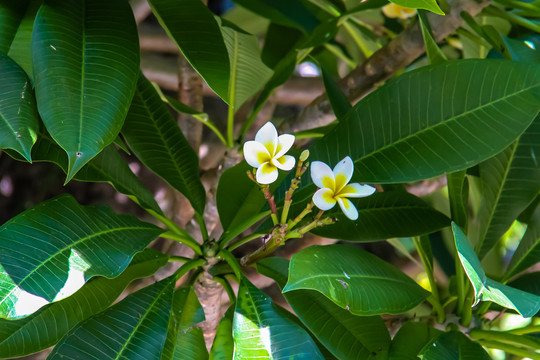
(266, 174)
(285, 142)
(255, 153)
(348, 208)
(322, 175)
(356, 190)
(343, 172)
(323, 199)
(267, 135)
(285, 162)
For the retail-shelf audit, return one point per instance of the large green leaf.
(465, 117)
(529, 282)
(511, 181)
(430, 5)
(18, 115)
(11, 14)
(49, 324)
(196, 32)
(21, 46)
(410, 339)
(248, 73)
(154, 136)
(454, 345)
(85, 76)
(49, 251)
(134, 329)
(223, 345)
(486, 289)
(354, 280)
(261, 331)
(528, 251)
(409, 216)
(183, 340)
(345, 335)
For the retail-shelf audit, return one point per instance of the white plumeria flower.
(334, 187)
(267, 153)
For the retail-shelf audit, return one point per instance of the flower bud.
(304, 155)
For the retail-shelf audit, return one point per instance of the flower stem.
(295, 182)
(525, 330)
(188, 241)
(300, 216)
(317, 222)
(242, 241)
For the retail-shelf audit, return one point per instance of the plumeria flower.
(396, 11)
(334, 187)
(267, 153)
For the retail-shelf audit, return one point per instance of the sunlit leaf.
(134, 329)
(49, 251)
(18, 113)
(430, 5)
(434, 54)
(223, 345)
(354, 280)
(85, 77)
(49, 324)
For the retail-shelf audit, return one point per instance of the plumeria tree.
(442, 93)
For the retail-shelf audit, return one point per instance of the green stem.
(202, 225)
(300, 216)
(170, 224)
(312, 225)
(230, 292)
(466, 315)
(359, 42)
(242, 241)
(525, 330)
(174, 258)
(188, 241)
(230, 126)
(505, 337)
(231, 260)
(460, 274)
(520, 5)
(524, 353)
(516, 19)
(483, 308)
(190, 265)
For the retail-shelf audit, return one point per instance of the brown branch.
(397, 54)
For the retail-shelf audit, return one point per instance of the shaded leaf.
(206, 51)
(11, 14)
(354, 280)
(529, 282)
(486, 289)
(430, 5)
(458, 196)
(434, 54)
(410, 339)
(454, 345)
(18, 113)
(155, 138)
(260, 330)
(49, 251)
(223, 346)
(135, 328)
(465, 117)
(345, 335)
(21, 46)
(511, 181)
(49, 324)
(528, 251)
(338, 100)
(409, 216)
(84, 77)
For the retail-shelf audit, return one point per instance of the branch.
(397, 54)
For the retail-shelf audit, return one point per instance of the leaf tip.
(76, 159)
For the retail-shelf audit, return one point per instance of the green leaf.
(434, 54)
(454, 345)
(528, 251)
(18, 113)
(196, 32)
(49, 251)
(466, 117)
(49, 324)
(154, 136)
(529, 282)
(430, 5)
(338, 100)
(458, 196)
(84, 77)
(260, 330)
(354, 280)
(21, 46)
(510, 183)
(183, 340)
(248, 73)
(409, 216)
(345, 335)
(410, 339)
(134, 329)
(223, 346)
(11, 14)
(292, 14)
(489, 290)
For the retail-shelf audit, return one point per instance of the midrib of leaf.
(340, 275)
(499, 192)
(444, 122)
(64, 249)
(232, 83)
(143, 317)
(259, 322)
(83, 62)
